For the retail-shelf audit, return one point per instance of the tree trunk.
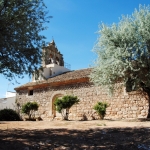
(147, 90)
(29, 116)
(65, 114)
(148, 93)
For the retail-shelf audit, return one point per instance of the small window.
(50, 72)
(30, 92)
(57, 61)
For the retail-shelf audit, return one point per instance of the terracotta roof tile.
(72, 75)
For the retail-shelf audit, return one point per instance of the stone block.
(124, 113)
(107, 112)
(119, 112)
(143, 111)
(140, 116)
(134, 116)
(134, 112)
(134, 108)
(143, 114)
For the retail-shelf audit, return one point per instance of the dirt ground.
(75, 135)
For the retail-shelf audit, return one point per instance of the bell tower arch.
(52, 63)
(51, 55)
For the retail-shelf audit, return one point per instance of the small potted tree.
(64, 104)
(100, 108)
(29, 108)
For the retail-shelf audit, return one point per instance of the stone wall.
(121, 105)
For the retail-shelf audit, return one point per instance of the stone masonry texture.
(122, 105)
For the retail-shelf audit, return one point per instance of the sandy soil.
(82, 125)
(75, 135)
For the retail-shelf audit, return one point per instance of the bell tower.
(51, 55)
(52, 63)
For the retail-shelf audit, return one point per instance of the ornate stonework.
(52, 55)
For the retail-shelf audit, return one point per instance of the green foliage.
(9, 115)
(123, 52)
(21, 23)
(29, 108)
(64, 104)
(100, 108)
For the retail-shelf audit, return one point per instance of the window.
(57, 61)
(50, 72)
(30, 92)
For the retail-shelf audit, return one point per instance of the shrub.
(9, 115)
(100, 108)
(64, 104)
(29, 108)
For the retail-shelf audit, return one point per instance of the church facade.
(56, 81)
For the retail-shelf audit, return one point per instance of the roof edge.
(54, 84)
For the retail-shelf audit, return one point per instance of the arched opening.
(53, 107)
(50, 59)
(57, 61)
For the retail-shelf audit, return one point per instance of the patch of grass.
(102, 124)
(66, 123)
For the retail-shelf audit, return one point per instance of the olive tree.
(123, 53)
(21, 23)
(64, 104)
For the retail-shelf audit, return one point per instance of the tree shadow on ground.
(92, 139)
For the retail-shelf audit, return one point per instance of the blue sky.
(74, 29)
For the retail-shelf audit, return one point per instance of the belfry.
(52, 63)
(52, 55)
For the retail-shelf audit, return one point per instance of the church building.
(57, 80)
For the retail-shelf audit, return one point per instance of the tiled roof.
(68, 76)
